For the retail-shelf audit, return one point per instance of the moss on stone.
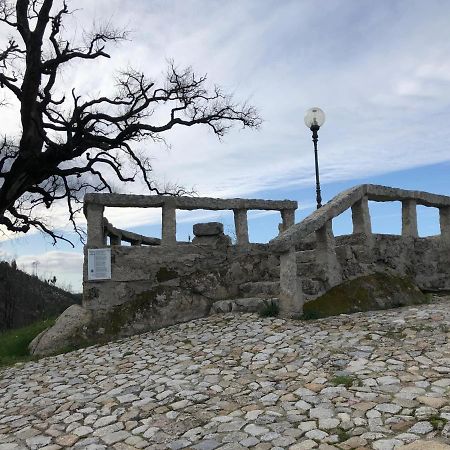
(370, 292)
(119, 316)
(165, 274)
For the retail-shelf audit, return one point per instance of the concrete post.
(291, 295)
(115, 239)
(288, 218)
(169, 223)
(95, 229)
(326, 254)
(409, 218)
(361, 217)
(444, 221)
(241, 226)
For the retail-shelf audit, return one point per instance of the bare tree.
(70, 145)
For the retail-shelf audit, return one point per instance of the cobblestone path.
(376, 380)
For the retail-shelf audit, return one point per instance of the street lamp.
(314, 119)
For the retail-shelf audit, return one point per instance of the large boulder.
(366, 293)
(69, 330)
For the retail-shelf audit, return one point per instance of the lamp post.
(314, 119)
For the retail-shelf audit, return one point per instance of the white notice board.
(99, 264)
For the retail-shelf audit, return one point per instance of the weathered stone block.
(208, 229)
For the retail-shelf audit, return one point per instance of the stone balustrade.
(320, 223)
(99, 229)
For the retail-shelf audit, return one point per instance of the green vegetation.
(14, 343)
(25, 298)
(342, 435)
(345, 380)
(271, 309)
(437, 422)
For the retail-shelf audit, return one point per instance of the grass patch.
(342, 435)
(345, 380)
(271, 309)
(14, 343)
(437, 422)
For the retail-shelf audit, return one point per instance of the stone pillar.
(241, 226)
(115, 239)
(288, 218)
(96, 236)
(291, 295)
(409, 218)
(169, 223)
(361, 217)
(326, 254)
(444, 221)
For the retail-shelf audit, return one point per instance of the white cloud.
(66, 266)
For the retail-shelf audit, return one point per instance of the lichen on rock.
(370, 292)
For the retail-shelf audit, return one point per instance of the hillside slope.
(25, 298)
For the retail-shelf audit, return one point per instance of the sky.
(380, 71)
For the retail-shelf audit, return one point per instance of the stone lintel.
(361, 217)
(118, 235)
(409, 218)
(291, 295)
(389, 194)
(95, 226)
(241, 226)
(187, 203)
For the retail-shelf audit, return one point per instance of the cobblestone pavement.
(376, 380)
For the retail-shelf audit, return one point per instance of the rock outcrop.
(69, 330)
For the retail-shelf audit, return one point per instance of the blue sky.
(380, 71)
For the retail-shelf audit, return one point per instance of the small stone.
(255, 430)
(354, 442)
(428, 445)
(386, 444)
(383, 381)
(321, 413)
(317, 435)
(179, 444)
(388, 408)
(117, 436)
(82, 431)
(304, 445)
(67, 440)
(328, 424)
(421, 428)
(103, 421)
(207, 444)
(434, 402)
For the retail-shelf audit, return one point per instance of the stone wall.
(152, 287)
(424, 260)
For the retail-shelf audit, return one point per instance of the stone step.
(242, 305)
(263, 289)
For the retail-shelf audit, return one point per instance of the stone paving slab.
(377, 380)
